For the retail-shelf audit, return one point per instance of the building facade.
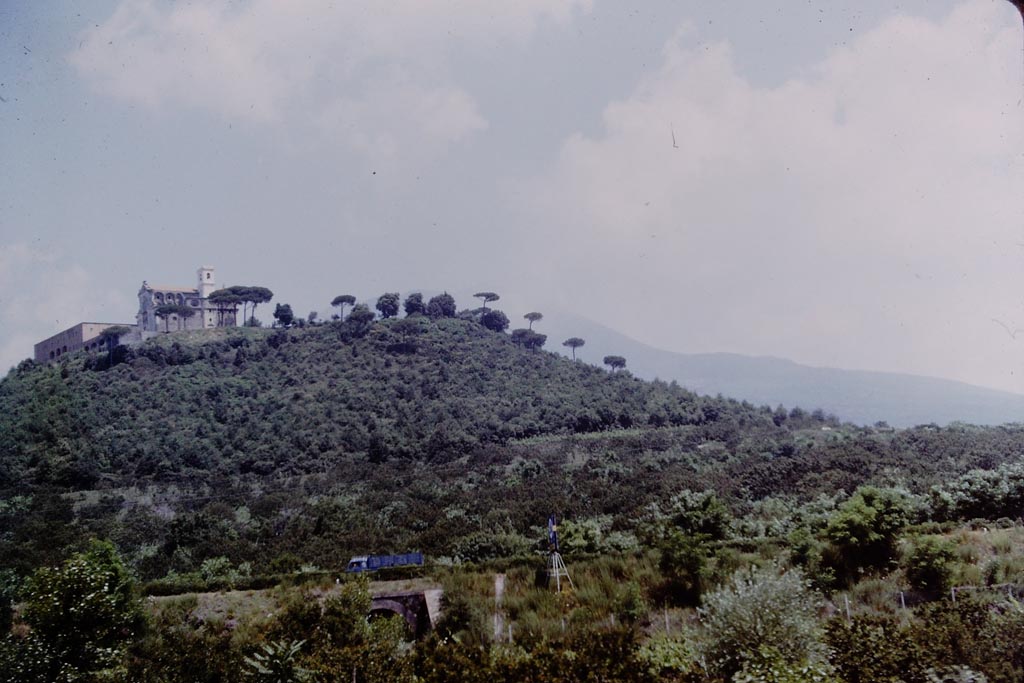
(83, 336)
(205, 314)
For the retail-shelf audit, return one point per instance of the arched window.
(51, 354)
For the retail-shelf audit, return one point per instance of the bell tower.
(207, 281)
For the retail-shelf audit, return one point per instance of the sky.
(836, 183)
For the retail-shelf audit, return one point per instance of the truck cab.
(357, 564)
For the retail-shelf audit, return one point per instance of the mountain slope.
(259, 401)
(856, 396)
(268, 446)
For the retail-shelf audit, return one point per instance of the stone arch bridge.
(420, 609)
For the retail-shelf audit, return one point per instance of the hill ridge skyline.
(792, 383)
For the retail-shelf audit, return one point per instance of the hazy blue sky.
(845, 186)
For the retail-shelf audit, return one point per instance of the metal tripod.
(557, 569)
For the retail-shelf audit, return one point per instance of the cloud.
(866, 213)
(368, 74)
(42, 296)
(397, 116)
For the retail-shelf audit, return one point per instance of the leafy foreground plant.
(768, 666)
(276, 663)
(761, 606)
(82, 616)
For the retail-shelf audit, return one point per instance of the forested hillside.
(252, 401)
(434, 434)
(254, 458)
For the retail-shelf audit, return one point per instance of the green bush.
(9, 588)
(985, 494)
(929, 566)
(815, 557)
(630, 604)
(667, 658)
(761, 606)
(82, 616)
(874, 649)
(285, 563)
(699, 514)
(768, 666)
(275, 662)
(684, 564)
(601, 656)
(974, 632)
(954, 674)
(865, 529)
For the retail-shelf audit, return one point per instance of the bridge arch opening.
(387, 609)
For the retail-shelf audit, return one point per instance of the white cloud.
(397, 116)
(374, 74)
(865, 214)
(42, 296)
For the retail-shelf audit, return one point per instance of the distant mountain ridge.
(862, 397)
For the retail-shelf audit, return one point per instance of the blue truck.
(371, 563)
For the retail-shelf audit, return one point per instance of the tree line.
(388, 306)
(443, 305)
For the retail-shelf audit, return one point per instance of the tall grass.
(605, 592)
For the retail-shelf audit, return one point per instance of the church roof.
(161, 288)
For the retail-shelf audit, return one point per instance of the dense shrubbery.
(82, 622)
(384, 415)
(865, 530)
(929, 566)
(303, 400)
(981, 494)
(761, 608)
(82, 616)
(436, 434)
(944, 640)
